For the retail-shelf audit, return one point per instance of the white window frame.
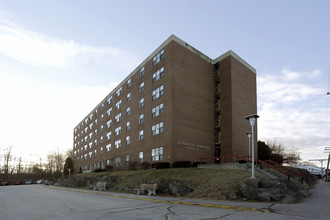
(117, 143)
(118, 130)
(158, 75)
(109, 123)
(128, 96)
(156, 93)
(109, 100)
(157, 128)
(158, 57)
(118, 117)
(157, 154)
(118, 104)
(142, 71)
(157, 110)
(109, 135)
(141, 88)
(141, 119)
(141, 103)
(109, 111)
(118, 92)
(141, 157)
(141, 135)
(108, 147)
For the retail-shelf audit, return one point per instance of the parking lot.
(43, 202)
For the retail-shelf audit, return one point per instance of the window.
(96, 121)
(117, 161)
(90, 154)
(158, 74)
(86, 120)
(85, 147)
(118, 117)
(128, 139)
(102, 165)
(101, 150)
(91, 116)
(90, 144)
(118, 130)
(86, 138)
(102, 116)
(141, 87)
(85, 156)
(128, 111)
(108, 162)
(141, 117)
(157, 128)
(129, 83)
(86, 129)
(127, 160)
(142, 71)
(141, 157)
(109, 123)
(128, 96)
(108, 147)
(102, 106)
(118, 92)
(90, 125)
(101, 128)
(101, 139)
(95, 152)
(95, 142)
(118, 104)
(128, 125)
(109, 135)
(90, 135)
(158, 110)
(141, 103)
(157, 154)
(117, 143)
(158, 92)
(141, 135)
(108, 100)
(159, 56)
(95, 131)
(109, 111)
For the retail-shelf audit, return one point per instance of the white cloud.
(292, 112)
(38, 122)
(37, 49)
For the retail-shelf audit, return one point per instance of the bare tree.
(290, 156)
(7, 160)
(69, 153)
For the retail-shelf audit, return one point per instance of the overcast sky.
(59, 59)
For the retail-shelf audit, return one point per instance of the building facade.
(177, 105)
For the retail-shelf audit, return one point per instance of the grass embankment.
(210, 183)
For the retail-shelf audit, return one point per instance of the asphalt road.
(39, 202)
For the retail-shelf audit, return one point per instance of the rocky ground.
(197, 183)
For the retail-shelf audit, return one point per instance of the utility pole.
(327, 150)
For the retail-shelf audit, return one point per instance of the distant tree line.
(13, 168)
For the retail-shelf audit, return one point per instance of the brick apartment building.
(178, 104)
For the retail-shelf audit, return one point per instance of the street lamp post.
(62, 174)
(69, 172)
(252, 119)
(249, 136)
